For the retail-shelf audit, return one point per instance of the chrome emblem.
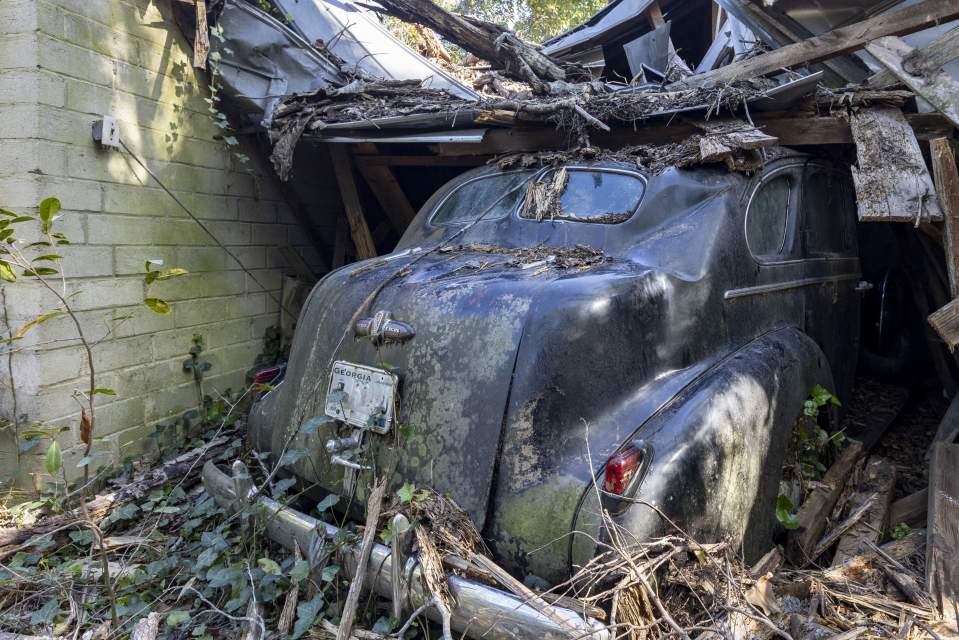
(383, 329)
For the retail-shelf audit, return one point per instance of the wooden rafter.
(359, 230)
(386, 189)
(940, 51)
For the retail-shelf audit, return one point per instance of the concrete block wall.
(62, 64)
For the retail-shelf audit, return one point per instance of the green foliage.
(785, 512)
(53, 461)
(534, 20)
(900, 531)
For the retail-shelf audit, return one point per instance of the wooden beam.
(937, 53)
(419, 161)
(911, 510)
(343, 167)
(833, 43)
(341, 239)
(948, 430)
(932, 83)
(879, 478)
(385, 188)
(655, 16)
(942, 543)
(892, 182)
(946, 323)
(201, 42)
(946, 177)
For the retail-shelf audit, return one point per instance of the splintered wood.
(892, 183)
(879, 480)
(942, 547)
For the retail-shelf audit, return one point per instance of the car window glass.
(591, 196)
(767, 217)
(827, 203)
(496, 195)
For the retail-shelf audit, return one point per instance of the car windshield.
(585, 195)
(491, 197)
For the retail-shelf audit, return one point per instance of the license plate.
(361, 396)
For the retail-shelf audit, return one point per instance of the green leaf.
(177, 617)
(269, 566)
(21, 219)
(50, 257)
(329, 572)
(785, 514)
(328, 502)
(7, 212)
(157, 305)
(7, 273)
(105, 391)
(53, 461)
(49, 208)
(166, 509)
(40, 271)
(306, 613)
(292, 456)
(36, 321)
(300, 570)
(310, 426)
(406, 492)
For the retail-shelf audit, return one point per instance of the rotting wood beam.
(655, 16)
(386, 189)
(929, 81)
(910, 510)
(891, 179)
(359, 230)
(946, 323)
(201, 42)
(942, 543)
(948, 430)
(879, 479)
(946, 178)
(833, 43)
(940, 51)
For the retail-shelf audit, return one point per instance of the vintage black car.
(654, 336)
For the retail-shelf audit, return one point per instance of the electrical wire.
(206, 229)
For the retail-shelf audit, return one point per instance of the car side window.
(768, 217)
(828, 203)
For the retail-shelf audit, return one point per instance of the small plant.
(198, 368)
(900, 531)
(786, 512)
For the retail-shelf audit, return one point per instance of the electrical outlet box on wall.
(106, 131)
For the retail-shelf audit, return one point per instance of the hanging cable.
(206, 229)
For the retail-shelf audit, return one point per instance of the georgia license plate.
(361, 396)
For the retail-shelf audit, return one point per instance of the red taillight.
(621, 468)
(265, 376)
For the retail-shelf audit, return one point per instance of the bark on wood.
(185, 468)
(891, 181)
(518, 59)
(906, 584)
(360, 232)
(940, 51)
(929, 81)
(946, 177)
(911, 510)
(819, 504)
(834, 43)
(201, 42)
(373, 506)
(879, 479)
(942, 545)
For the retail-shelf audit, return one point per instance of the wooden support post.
(833, 43)
(201, 43)
(655, 16)
(942, 543)
(386, 189)
(359, 230)
(879, 480)
(948, 430)
(910, 510)
(928, 81)
(892, 182)
(341, 239)
(947, 186)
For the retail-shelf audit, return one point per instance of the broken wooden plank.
(852, 520)
(911, 545)
(201, 42)
(833, 43)
(940, 51)
(879, 479)
(942, 544)
(910, 510)
(946, 178)
(359, 230)
(932, 83)
(946, 323)
(892, 182)
(373, 506)
(819, 504)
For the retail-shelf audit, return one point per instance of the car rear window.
(587, 196)
(491, 197)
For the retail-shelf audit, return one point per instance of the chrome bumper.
(481, 611)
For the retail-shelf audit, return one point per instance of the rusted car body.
(644, 344)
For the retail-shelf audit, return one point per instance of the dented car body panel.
(542, 347)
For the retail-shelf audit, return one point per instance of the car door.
(831, 261)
